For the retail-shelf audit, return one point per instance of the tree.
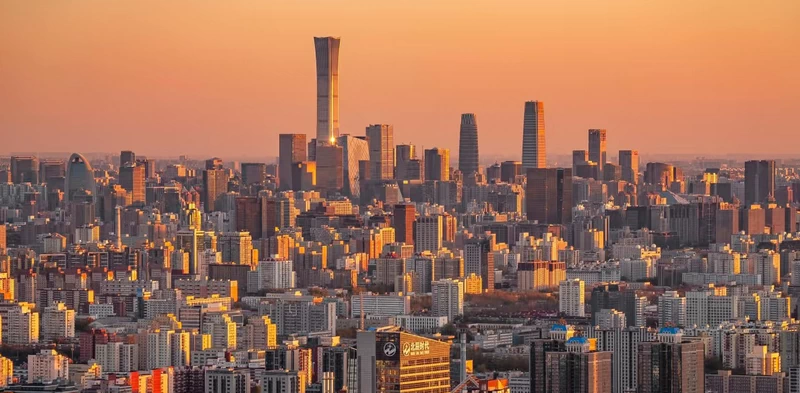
(448, 330)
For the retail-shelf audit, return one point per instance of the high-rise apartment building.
(549, 195)
(381, 151)
(571, 298)
(437, 164)
(230, 380)
(671, 309)
(479, 259)
(20, 323)
(671, 364)
(236, 247)
(468, 157)
(403, 217)
(447, 298)
(327, 53)
(597, 148)
(58, 322)
(47, 366)
(759, 181)
(629, 164)
(292, 149)
(534, 152)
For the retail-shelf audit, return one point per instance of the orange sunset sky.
(225, 77)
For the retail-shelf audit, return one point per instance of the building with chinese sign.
(392, 361)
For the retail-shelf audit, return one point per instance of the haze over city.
(225, 78)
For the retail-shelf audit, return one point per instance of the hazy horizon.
(165, 78)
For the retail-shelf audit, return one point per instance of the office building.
(330, 168)
(671, 364)
(549, 195)
(629, 164)
(354, 150)
(509, 170)
(437, 164)
(381, 151)
(534, 152)
(428, 233)
(283, 381)
(597, 148)
(403, 218)
(759, 181)
(401, 362)
(79, 181)
(215, 183)
(468, 157)
(579, 368)
(327, 54)
(254, 173)
(24, 169)
(131, 178)
(126, 157)
(292, 149)
(571, 298)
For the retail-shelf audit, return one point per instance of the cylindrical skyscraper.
(468, 158)
(534, 154)
(327, 50)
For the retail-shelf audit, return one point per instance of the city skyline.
(231, 89)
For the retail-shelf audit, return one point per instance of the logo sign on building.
(387, 350)
(415, 348)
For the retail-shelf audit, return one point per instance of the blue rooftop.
(578, 340)
(559, 328)
(669, 330)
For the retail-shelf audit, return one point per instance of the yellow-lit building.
(473, 284)
(391, 361)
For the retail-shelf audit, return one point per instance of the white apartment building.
(571, 295)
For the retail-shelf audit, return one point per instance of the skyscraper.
(131, 178)
(330, 168)
(468, 158)
(292, 149)
(254, 173)
(381, 151)
(327, 50)
(126, 157)
(354, 149)
(671, 365)
(759, 181)
(597, 146)
(215, 183)
(629, 162)
(549, 195)
(578, 369)
(479, 259)
(79, 179)
(25, 169)
(437, 164)
(403, 219)
(534, 153)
